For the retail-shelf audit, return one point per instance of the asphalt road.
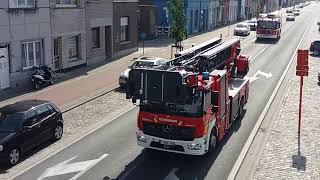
(126, 161)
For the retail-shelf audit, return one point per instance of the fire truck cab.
(187, 108)
(269, 28)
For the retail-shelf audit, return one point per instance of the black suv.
(26, 124)
(315, 47)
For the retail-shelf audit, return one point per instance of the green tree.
(178, 19)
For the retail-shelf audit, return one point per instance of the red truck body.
(188, 108)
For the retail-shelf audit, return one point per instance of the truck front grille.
(169, 131)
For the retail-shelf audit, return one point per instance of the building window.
(22, 3)
(31, 54)
(124, 29)
(66, 3)
(74, 47)
(95, 37)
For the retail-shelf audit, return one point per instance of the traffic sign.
(303, 55)
(302, 73)
(304, 67)
(143, 36)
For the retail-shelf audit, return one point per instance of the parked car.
(289, 10)
(315, 47)
(263, 15)
(242, 29)
(253, 24)
(143, 62)
(296, 12)
(290, 17)
(25, 125)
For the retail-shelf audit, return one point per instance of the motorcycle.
(41, 76)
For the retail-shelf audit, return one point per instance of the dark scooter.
(41, 76)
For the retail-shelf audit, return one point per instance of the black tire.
(57, 132)
(240, 114)
(51, 81)
(212, 141)
(36, 86)
(14, 156)
(316, 52)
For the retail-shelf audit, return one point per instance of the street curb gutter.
(253, 133)
(85, 101)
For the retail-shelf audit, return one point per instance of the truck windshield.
(193, 107)
(267, 25)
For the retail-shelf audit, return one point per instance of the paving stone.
(282, 157)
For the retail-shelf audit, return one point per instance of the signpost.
(302, 69)
(143, 37)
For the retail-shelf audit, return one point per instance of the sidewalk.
(285, 155)
(94, 81)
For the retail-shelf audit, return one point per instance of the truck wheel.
(212, 141)
(241, 108)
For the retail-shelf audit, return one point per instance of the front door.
(31, 131)
(57, 55)
(4, 68)
(45, 123)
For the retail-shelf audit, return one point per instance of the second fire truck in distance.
(188, 105)
(269, 28)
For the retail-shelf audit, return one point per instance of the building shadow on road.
(158, 165)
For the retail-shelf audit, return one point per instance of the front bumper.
(269, 36)
(196, 147)
(240, 32)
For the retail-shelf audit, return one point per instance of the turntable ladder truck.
(188, 105)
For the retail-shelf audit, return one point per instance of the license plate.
(169, 143)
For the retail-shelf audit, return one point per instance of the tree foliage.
(178, 19)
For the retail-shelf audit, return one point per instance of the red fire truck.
(269, 28)
(187, 105)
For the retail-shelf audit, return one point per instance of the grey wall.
(18, 26)
(98, 14)
(68, 22)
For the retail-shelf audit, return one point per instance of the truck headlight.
(194, 146)
(142, 138)
(1, 148)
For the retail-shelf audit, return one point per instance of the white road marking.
(252, 59)
(172, 175)
(65, 168)
(254, 131)
(255, 76)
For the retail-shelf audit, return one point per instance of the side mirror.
(130, 67)
(238, 51)
(134, 100)
(215, 109)
(25, 129)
